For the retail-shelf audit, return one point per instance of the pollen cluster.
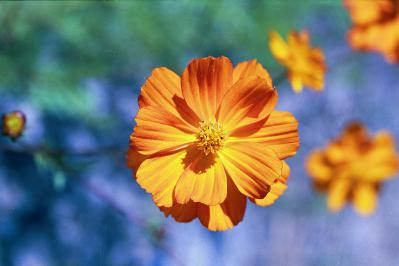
(210, 137)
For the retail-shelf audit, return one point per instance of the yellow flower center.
(211, 137)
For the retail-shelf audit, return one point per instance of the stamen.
(211, 137)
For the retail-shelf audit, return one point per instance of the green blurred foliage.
(49, 49)
(97, 38)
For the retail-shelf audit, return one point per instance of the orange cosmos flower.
(305, 64)
(376, 27)
(353, 167)
(13, 124)
(209, 139)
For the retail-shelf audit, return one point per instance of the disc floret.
(210, 137)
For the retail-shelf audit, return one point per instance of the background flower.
(305, 64)
(353, 167)
(376, 27)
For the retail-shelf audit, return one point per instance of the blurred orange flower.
(353, 167)
(13, 124)
(376, 27)
(208, 140)
(305, 64)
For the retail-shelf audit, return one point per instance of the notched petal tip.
(134, 158)
(249, 100)
(204, 82)
(251, 68)
(277, 189)
(159, 88)
(252, 167)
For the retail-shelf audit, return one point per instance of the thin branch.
(95, 190)
(29, 149)
(129, 215)
(111, 202)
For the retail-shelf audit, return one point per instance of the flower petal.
(249, 100)
(296, 81)
(216, 218)
(368, 39)
(336, 153)
(365, 198)
(318, 167)
(203, 181)
(251, 68)
(366, 12)
(158, 131)
(354, 134)
(278, 46)
(338, 193)
(313, 78)
(159, 175)
(134, 158)
(298, 40)
(279, 132)
(160, 88)
(382, 160)
(252, 167)
(182, 213)
(163, 90)
(226, 215)
(277, 188)
(204, 82)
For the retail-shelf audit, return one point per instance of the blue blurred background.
(75, 69)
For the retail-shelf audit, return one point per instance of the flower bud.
(13, 124)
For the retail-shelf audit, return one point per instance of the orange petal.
(249, 100)
(355, 131)
(204, 82)
(314, 78)
(203, 181)
(216, 218)
(226, 215)
(296, 81)
(277, 188)
(163, 90)
(134, 158)
(279, 132)
(369, 38)
(363, 12)
(285, 173)
(365, 198)
(252, 166)
(384, 139)
(251, 68)
(318, 167)
(338, 193)
(336, 153)
(278, 46)
(159, 175)
(160, 88)
(382, 161)
(318, 56)
(158, 131)
(182, 213)
(304, 37)
(298, 40)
